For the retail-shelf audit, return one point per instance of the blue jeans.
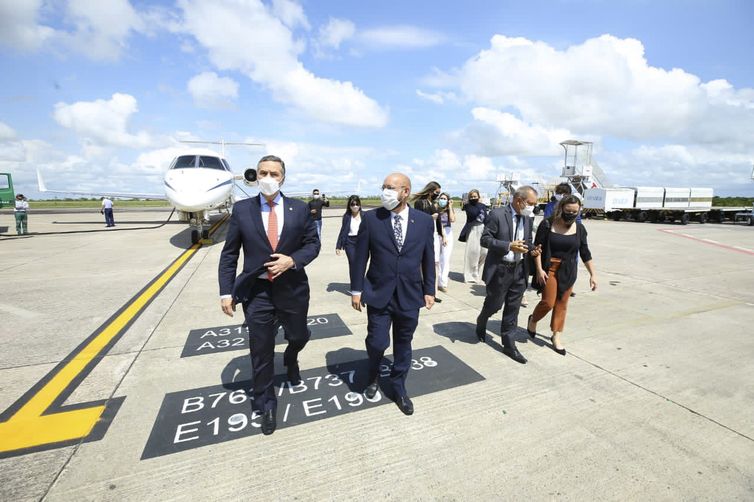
(319, 228)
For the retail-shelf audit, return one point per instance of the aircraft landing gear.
(199, 227)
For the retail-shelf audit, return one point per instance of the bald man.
(398, 242)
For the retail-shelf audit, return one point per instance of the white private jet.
(197, 182)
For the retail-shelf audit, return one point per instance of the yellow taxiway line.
(37, 421)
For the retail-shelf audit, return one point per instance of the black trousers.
(506, 287)
(263, 317)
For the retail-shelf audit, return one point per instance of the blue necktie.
(398, 231)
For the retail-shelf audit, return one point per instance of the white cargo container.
(609, 199)
(701, 198)
(649, 197)
(677, 198)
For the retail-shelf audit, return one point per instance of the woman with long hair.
(426, 200)
(471, 234)
(446, 216)
(349, 228)
(560, 239)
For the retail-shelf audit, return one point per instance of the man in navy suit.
(279, 238)
(399, 243)
(507, 235)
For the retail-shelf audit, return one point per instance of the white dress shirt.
(519, 235)
(353, 230)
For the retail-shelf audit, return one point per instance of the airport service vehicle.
(656, 204)
(7, 196)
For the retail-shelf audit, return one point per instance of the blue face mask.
(442, 202)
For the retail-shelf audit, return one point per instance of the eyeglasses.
(389, 187)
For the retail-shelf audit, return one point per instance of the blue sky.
(97, 94)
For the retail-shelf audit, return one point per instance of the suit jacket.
(497, 237)
(409, 274)
(298, 239)
(345, 227)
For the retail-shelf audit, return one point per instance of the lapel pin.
(290, 209)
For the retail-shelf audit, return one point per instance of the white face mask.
(558, 196)
(527, 211)
(389, 199)
(269, 185)
(316, 196)
(355, 209)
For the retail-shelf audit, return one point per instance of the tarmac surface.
(121, 379)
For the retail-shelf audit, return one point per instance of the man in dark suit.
(398, 242)
(507, 235)
(279, 239)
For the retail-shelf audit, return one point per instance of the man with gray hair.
(507, 235)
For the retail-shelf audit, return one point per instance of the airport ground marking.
(708, 241)
(39, 421)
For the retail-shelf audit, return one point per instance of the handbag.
(464, 235)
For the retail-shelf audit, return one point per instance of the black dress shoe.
(269, 422)
(371, 390)
(514, 354)
(562, 352)
(294, 375)
(405, 405)
(481, 329)
(532, 334)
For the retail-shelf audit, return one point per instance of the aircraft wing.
(134, 195)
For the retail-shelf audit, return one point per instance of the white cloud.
(18, 25)
(101, 29)
(501, 133)
(334, 33)
(211, 91)
(605, 86)
(437, 97)
(261, 46)
(103, 122)
(400, 37)
(6, 132)
(680, 166)
(290, 13)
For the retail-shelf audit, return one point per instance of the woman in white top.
(349, 229)
(22, 206)
(447, 217)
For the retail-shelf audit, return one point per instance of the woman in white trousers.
(475, 254)
(447, 217)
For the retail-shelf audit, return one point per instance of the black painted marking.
(210, 415)
(227, 338)
(112, 405)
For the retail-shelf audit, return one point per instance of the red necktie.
(272, 231)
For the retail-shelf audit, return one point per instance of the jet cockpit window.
(184, 162)
(227, 166)
(211, 163)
